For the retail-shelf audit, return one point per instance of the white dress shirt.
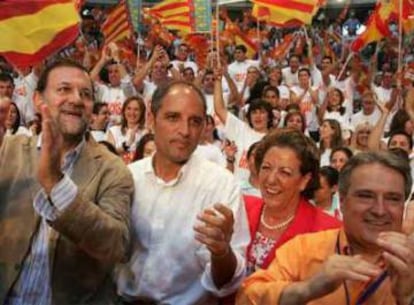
(168, 265)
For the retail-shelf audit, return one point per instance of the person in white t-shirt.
(271, 95)
(126, 136)
(25, 86)
(154, 73)
(181, 60)
(23, 103)
(330, 138)
(307, 99)
(323, 79)
(347, 83)
(291, 73)
(333, 108)
(210, 144)
(13, 124)
(274, 75)
(188, 75)
(100, 120)
(360, 136)
(119, 84)
(252, 83)
(230, 94)
(238, 69)
(384, 96)
(369, 113)
(259, 121)
(250, 186)
(295, 119)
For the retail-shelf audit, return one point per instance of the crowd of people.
(244, 181)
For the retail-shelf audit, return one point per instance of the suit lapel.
(86, 167)
(84, 170)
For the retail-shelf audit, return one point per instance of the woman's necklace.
(277, 226)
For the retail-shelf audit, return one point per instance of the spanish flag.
(406, 14)
(285, 12)
(241, 38)
(33, 30)
(376, 27)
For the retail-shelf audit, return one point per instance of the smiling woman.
(288, 163)
(126, 136)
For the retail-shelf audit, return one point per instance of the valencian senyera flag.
(33, 30)
(117, 25)
(174, 14)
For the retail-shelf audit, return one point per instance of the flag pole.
(259, 45)
(218, 32)
(400, 34)
(306, 33)
(139, 38)
(348, 59)
(212, 38)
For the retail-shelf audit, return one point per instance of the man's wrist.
(51, 182)
(222, 255)
(294, 294)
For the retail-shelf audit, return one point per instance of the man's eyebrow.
(63, 82)
(363, 190)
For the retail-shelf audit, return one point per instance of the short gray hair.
(385, 158)
(162, 91)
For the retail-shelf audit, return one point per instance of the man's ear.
(342, 202)
(150, 120)
(37, 101)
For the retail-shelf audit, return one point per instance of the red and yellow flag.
(174, 14)
(406, 14)
(376, 27)
(241, 38)
(280, 52)
(117, 25)
(285, 12)
(33, 30)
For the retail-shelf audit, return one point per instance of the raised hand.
(215, 229)
(381, 105)
(106, 54)
(156, 54)
(114, 51)
(49, 167)
(399, 255)
(164, 58)
(218, 73)
(230, 149)
(340, 268)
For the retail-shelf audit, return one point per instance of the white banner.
(223, 2)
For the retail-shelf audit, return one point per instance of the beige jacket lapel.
(84, 170)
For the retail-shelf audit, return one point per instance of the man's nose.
(379, 207)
